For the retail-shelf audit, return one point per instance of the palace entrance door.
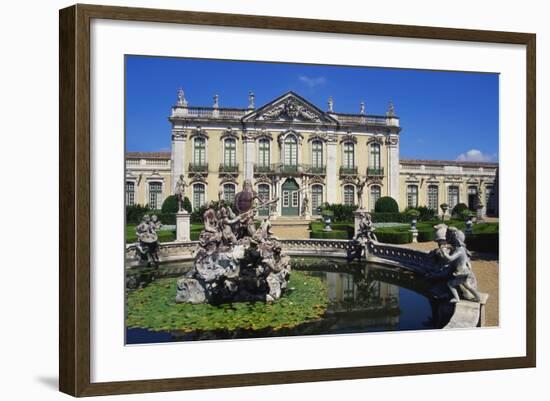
(291, 198)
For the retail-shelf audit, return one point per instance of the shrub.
(426, 235)
(390, 218)
(170, 204)
(187, 205)
(483, 242)
(386, 204)
(196, 215)
(394, 237)
(134, 213)
(426, 213)
(412, 213)
(341, 212)
(458, 209)
(335, 234)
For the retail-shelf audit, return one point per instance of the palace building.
(291, 149)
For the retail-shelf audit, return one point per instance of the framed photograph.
(250, 200)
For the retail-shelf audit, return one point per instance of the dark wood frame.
(74, 199)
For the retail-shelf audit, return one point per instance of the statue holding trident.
(179, 191)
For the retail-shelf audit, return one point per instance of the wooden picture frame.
(75, 207)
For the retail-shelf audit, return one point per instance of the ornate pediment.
(290, 108)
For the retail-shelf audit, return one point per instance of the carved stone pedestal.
(183, 226)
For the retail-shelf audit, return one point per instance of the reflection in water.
(364, 299)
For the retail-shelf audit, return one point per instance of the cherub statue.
(459, 265)
(366, 227)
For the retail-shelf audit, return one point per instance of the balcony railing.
(375, 171)
(316, 170)
(344, 170)
(229, 168)
(198, 167)
(264, 168)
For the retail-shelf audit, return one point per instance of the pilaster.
(179, 139)
(332, 170)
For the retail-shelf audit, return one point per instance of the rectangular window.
(230, 153)
(375, 193)
(263, 153)
(349, 155)
(412, 196)
(130, 193)
(490, 200)
(199, 155)
(198, 196)
(295, 198)
(155, 195)
(286, 199)
(317, 154)
(316, 198)
(349, 195)
(433, 197)
(453, 198)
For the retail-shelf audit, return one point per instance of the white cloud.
(474, 155)
(312, 82)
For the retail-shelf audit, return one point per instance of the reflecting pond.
(357, 299)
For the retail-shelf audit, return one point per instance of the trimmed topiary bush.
(390, 218)
(458, 209)
(170, 204)
(394, 237)
(386, 204)
(426, 235)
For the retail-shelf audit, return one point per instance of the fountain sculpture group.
(236, 261)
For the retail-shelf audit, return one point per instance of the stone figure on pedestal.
(147, 237)
(179, 191)
(456, 264)
(360, 186)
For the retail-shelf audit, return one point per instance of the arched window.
(264, 158)
(374, 158)
(155, 195)
(263, 194)
(130, 193)
(316, 198)
(349, 155)
(317, 156)
(375, 193)
(349, 195)
(291, 152)
(199, 152)
(199, 197)
(230, 152)
(452, 197)
(229, 193)
(433, 197)
(412, 196)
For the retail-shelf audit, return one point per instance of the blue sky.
(444, 115)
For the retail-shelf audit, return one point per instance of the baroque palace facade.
(291, 149)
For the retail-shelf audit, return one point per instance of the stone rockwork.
(235, 261)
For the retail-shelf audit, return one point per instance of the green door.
(291, 198)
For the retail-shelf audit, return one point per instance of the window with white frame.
(264, 158)
(374, 156)
(490, 200)
(349, 155)
(433, 197)
(229, 193)
(263, 194)
(199, 151)
(199, 196)
(317, 154)
(374, 195)
(349, 195)
(155, 195)
(452, 197)
(291, 151)
(130, 193)
(230, 152)
(412, 196)
(316, 198)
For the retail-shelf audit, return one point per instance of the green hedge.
(394, 237)
(390, 218)
(426, 235)
(335, 234)
(386, 204)
(342, 213)
(487, 242)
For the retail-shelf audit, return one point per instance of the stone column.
(392, 144)
(332, 170)
(249, 155)
(183, 226)
(179, 138)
